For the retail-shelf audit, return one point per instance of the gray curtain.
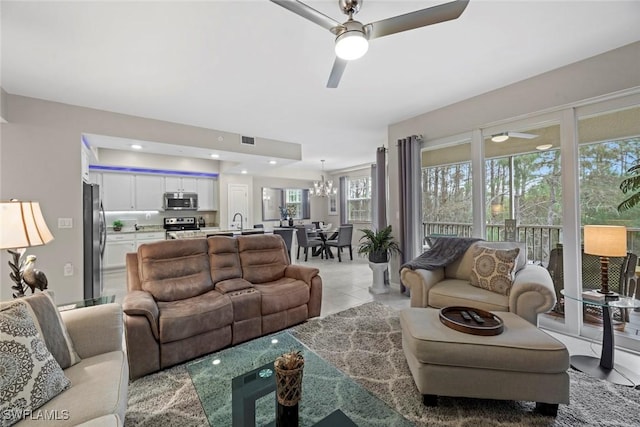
(379, 187)
(342, 193)
(410, 198)
(379, 196)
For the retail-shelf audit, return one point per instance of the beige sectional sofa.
(532, 291)
(187, 298)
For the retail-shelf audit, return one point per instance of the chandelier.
(323, 188)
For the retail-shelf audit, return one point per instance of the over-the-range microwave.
(180, 201)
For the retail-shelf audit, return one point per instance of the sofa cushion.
(232, 285)
(52, 328)
(493, 269)
(263, 257)
(174, 270)
(192, 316)
(456, 292)
(282, 294)
(224, 258)
(30, 375)
(100, 385)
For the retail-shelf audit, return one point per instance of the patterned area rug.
(365, 343)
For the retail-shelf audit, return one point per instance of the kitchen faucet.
(241, 219)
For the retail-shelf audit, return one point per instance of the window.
(293, 201)
(359, 199)
(447, 187)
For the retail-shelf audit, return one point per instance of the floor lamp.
(21, 226)
(605, 241)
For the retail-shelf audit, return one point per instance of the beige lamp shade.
(605, 240)
(22, 225)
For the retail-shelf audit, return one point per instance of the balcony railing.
(539, 239)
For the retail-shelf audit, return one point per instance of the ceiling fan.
(503, 136)
(352, 37)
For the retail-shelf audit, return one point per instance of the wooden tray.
(452, 317)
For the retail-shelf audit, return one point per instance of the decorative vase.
(290, 222)
(289, 369)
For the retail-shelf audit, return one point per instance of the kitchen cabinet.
(116, 248)
(119, 245)
(118, 193)
(207, 194)
(176, 184)
(149, 237)
(149, 191)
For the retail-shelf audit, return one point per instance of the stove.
(181, 223)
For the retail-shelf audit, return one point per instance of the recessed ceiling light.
(272, 162)
(136, 146)
(543, 147)
(243, 171)
(215, 156)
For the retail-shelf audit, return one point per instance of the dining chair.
(343, 240)
(305, 242)
(287, 236)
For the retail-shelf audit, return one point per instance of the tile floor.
(346, 284)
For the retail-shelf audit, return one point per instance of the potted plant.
(378, 245)
(117, 225)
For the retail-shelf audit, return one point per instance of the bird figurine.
(33, 277)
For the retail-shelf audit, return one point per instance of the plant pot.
(117, 228)
(379, 257)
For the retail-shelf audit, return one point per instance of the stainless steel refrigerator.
(94, 239)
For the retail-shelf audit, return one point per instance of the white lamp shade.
(22, 225)
(351, 45)
(605, 240)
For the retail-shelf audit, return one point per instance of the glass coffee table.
(236, 387)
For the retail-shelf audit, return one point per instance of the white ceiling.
(254, 68)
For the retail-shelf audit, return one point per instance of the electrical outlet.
(65, 222)
(68, 269)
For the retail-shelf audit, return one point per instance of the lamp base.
(606, 292)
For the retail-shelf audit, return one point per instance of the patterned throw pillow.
(29, 374)
(493, 269)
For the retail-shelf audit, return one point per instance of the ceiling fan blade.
(308, 12)
(336, 72)
(522, 135)
(420, 18)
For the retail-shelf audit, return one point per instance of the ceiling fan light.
(351, 45)
(543, 147)
(501, 137)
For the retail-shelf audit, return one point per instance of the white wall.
(611, 72)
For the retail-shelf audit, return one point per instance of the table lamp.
(605, 241)
(21, 226)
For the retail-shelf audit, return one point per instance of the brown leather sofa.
(187, 298)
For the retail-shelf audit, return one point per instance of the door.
(238, 202)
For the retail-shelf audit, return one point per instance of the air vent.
(248, 140)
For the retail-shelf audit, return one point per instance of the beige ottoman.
(522, 363)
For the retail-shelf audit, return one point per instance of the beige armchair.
(532, 291)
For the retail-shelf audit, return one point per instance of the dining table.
(324, 235)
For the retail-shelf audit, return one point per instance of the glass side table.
(105, 299)
(605, 368)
